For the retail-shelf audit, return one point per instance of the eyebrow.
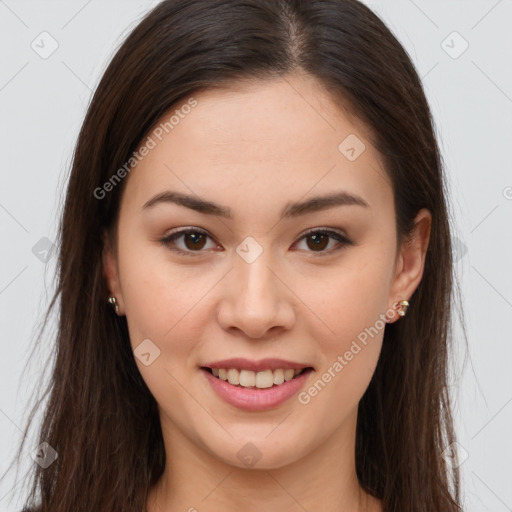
(290, 210)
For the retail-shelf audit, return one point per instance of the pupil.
(194, 237)
(317, 240)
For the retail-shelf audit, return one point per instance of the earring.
(404, 306)
(113, 302)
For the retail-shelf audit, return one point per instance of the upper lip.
(257, 366)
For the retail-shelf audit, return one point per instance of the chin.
(258, 452)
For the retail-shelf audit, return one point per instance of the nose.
(256, 299)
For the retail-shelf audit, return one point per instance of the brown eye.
(193, 241)
(317, 240)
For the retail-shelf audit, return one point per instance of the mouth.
(259, 389)
(263, 379)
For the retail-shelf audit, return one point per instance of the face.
(268, 278)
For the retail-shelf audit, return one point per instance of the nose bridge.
(256, 283)
(257, 300)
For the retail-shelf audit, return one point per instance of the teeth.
(261, 380)
(247, 379)
(278, 376)
(265, 379)
(233, 376)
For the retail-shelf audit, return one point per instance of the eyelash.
(168, 241)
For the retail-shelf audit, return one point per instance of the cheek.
(155, 298)
(349, 324)
(346, 300)
(163, 305)
(349, 339)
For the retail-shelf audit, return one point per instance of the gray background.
(42, 104)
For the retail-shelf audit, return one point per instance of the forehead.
(255, 143)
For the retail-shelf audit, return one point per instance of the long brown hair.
(100, 417)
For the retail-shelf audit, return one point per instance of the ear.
(111, 270)
(410, 262)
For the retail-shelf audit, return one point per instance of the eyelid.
(327, 231)
(334, 233)
(167, 240)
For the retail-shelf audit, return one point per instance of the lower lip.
(253, 399)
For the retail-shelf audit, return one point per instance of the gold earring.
(404, 306)
(113, 302)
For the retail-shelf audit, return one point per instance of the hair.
(100, 417)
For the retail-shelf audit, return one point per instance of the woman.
(255, 273)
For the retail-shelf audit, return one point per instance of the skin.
(255, 148)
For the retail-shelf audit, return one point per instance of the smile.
(261, 380)
(256, 391)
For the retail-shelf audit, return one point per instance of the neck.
(323, 479)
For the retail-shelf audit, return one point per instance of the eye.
(193, 240)
(320, 239)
